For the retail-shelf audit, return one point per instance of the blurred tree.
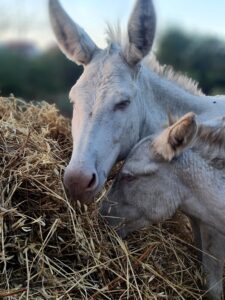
(172, 48)
(47, 76)
(13, 73)
(202, 58)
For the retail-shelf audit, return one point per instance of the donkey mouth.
(86, 197)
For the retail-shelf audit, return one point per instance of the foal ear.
(174, 139)
(72, 39)
(141, 31)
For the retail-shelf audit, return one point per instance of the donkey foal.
(182, 167)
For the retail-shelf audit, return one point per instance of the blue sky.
(28, 19)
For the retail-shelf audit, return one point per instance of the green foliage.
(13, 73)
(202, 58)
(46, 76)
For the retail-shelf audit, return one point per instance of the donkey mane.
(114, 35)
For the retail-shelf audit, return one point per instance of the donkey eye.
(128, 177)
(121, 105)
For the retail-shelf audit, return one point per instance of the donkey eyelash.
(121, 105)
(128, 177)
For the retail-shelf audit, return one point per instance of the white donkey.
(119, 98)
(182, 167)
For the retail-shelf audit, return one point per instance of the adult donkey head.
(107, 113)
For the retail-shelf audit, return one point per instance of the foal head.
(148, 188)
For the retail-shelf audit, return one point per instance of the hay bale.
(53, 249)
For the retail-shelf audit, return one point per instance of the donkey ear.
(174, 139)
(141, 31)
(72, 39)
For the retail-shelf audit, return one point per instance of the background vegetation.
(49, 75)
(46, 76)
(200, 57)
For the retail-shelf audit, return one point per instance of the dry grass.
(53, 249)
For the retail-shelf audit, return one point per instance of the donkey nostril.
(92, 182)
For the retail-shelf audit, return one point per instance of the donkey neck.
(204, 195)
(160, 96)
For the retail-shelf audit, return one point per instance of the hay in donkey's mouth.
(52, 250)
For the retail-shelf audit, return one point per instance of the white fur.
(103, 132)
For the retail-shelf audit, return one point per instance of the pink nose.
(80, 182)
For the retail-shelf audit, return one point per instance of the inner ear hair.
(178, 133)
(175, 142)
(183, 131)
